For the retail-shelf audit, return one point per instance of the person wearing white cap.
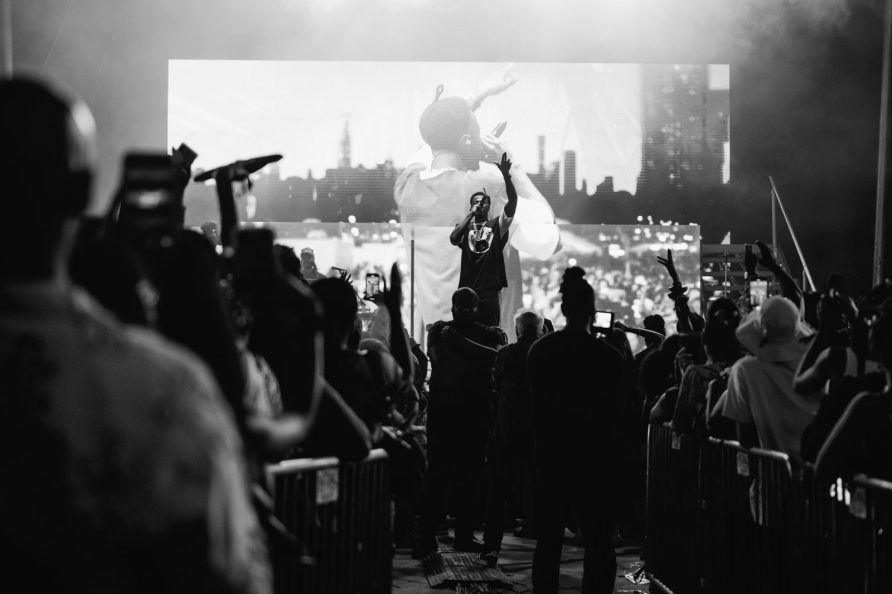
(308, 265)
(760, 385)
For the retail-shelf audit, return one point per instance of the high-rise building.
(345, 148)
(569, 173)
(540, 140)
(684, 129)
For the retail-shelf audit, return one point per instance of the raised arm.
(642, 332)
(836, 452)
(505, 167)
(788, 285)
(468, 346)
(399, 344)
(677, 294)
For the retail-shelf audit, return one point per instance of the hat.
(307, 250)
(772, 332)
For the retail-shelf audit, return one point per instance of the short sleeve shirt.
(482, 256)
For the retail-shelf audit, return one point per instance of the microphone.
(239, 170)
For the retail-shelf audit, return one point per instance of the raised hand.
(494, 85)
(750, 260)
(505, 165)
(668, 263)
(766, 256)
(345, 276)
(392, 296)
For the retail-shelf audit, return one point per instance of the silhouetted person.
(462, 352)
(576, 382)
(308, 265)
(861, 442)
(123, 465)
(510, 454)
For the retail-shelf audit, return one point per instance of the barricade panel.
(341, 515)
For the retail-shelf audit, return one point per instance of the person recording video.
(125, 456)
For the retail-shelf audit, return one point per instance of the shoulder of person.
(488, 174)
(412, 169)
(495, 336)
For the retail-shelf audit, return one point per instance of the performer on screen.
(482, 241)
(432, 194)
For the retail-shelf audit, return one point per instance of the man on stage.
(482, 241)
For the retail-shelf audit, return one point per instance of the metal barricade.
(673, 552)
(725, 519)
(341, 515)
(748, 500)
(872, 501)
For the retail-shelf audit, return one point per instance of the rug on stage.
(463, 571)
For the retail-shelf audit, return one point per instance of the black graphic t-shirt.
(482, 257)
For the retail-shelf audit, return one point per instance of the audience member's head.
(724, 312)
(49, 156)
(578, 298)
(655, 323)
(209, 230)
(340, 308)
(720, 342)
(773, 334)
(288, 260)
(464, 305)
(529, 325)
(617, 339)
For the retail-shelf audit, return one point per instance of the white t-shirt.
(762, 393)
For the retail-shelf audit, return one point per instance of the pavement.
(516, 561)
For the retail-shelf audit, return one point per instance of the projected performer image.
(432, 195)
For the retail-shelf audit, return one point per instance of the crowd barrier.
(726, 519)
(340, 514)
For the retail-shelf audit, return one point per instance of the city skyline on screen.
(590, 127)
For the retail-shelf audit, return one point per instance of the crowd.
(151, 375)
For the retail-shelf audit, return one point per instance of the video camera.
(147, 212)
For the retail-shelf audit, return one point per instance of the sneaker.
(490, 558)
(471, 545)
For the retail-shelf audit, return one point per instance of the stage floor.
(516, 561)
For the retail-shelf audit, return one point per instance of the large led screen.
(347, 130)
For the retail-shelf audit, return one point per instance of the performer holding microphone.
(482, 241)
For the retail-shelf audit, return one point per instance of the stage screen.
(348, 130)
(620, 263)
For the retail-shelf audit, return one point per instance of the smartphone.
(603, 320)
(372, 284)
(758, 292)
